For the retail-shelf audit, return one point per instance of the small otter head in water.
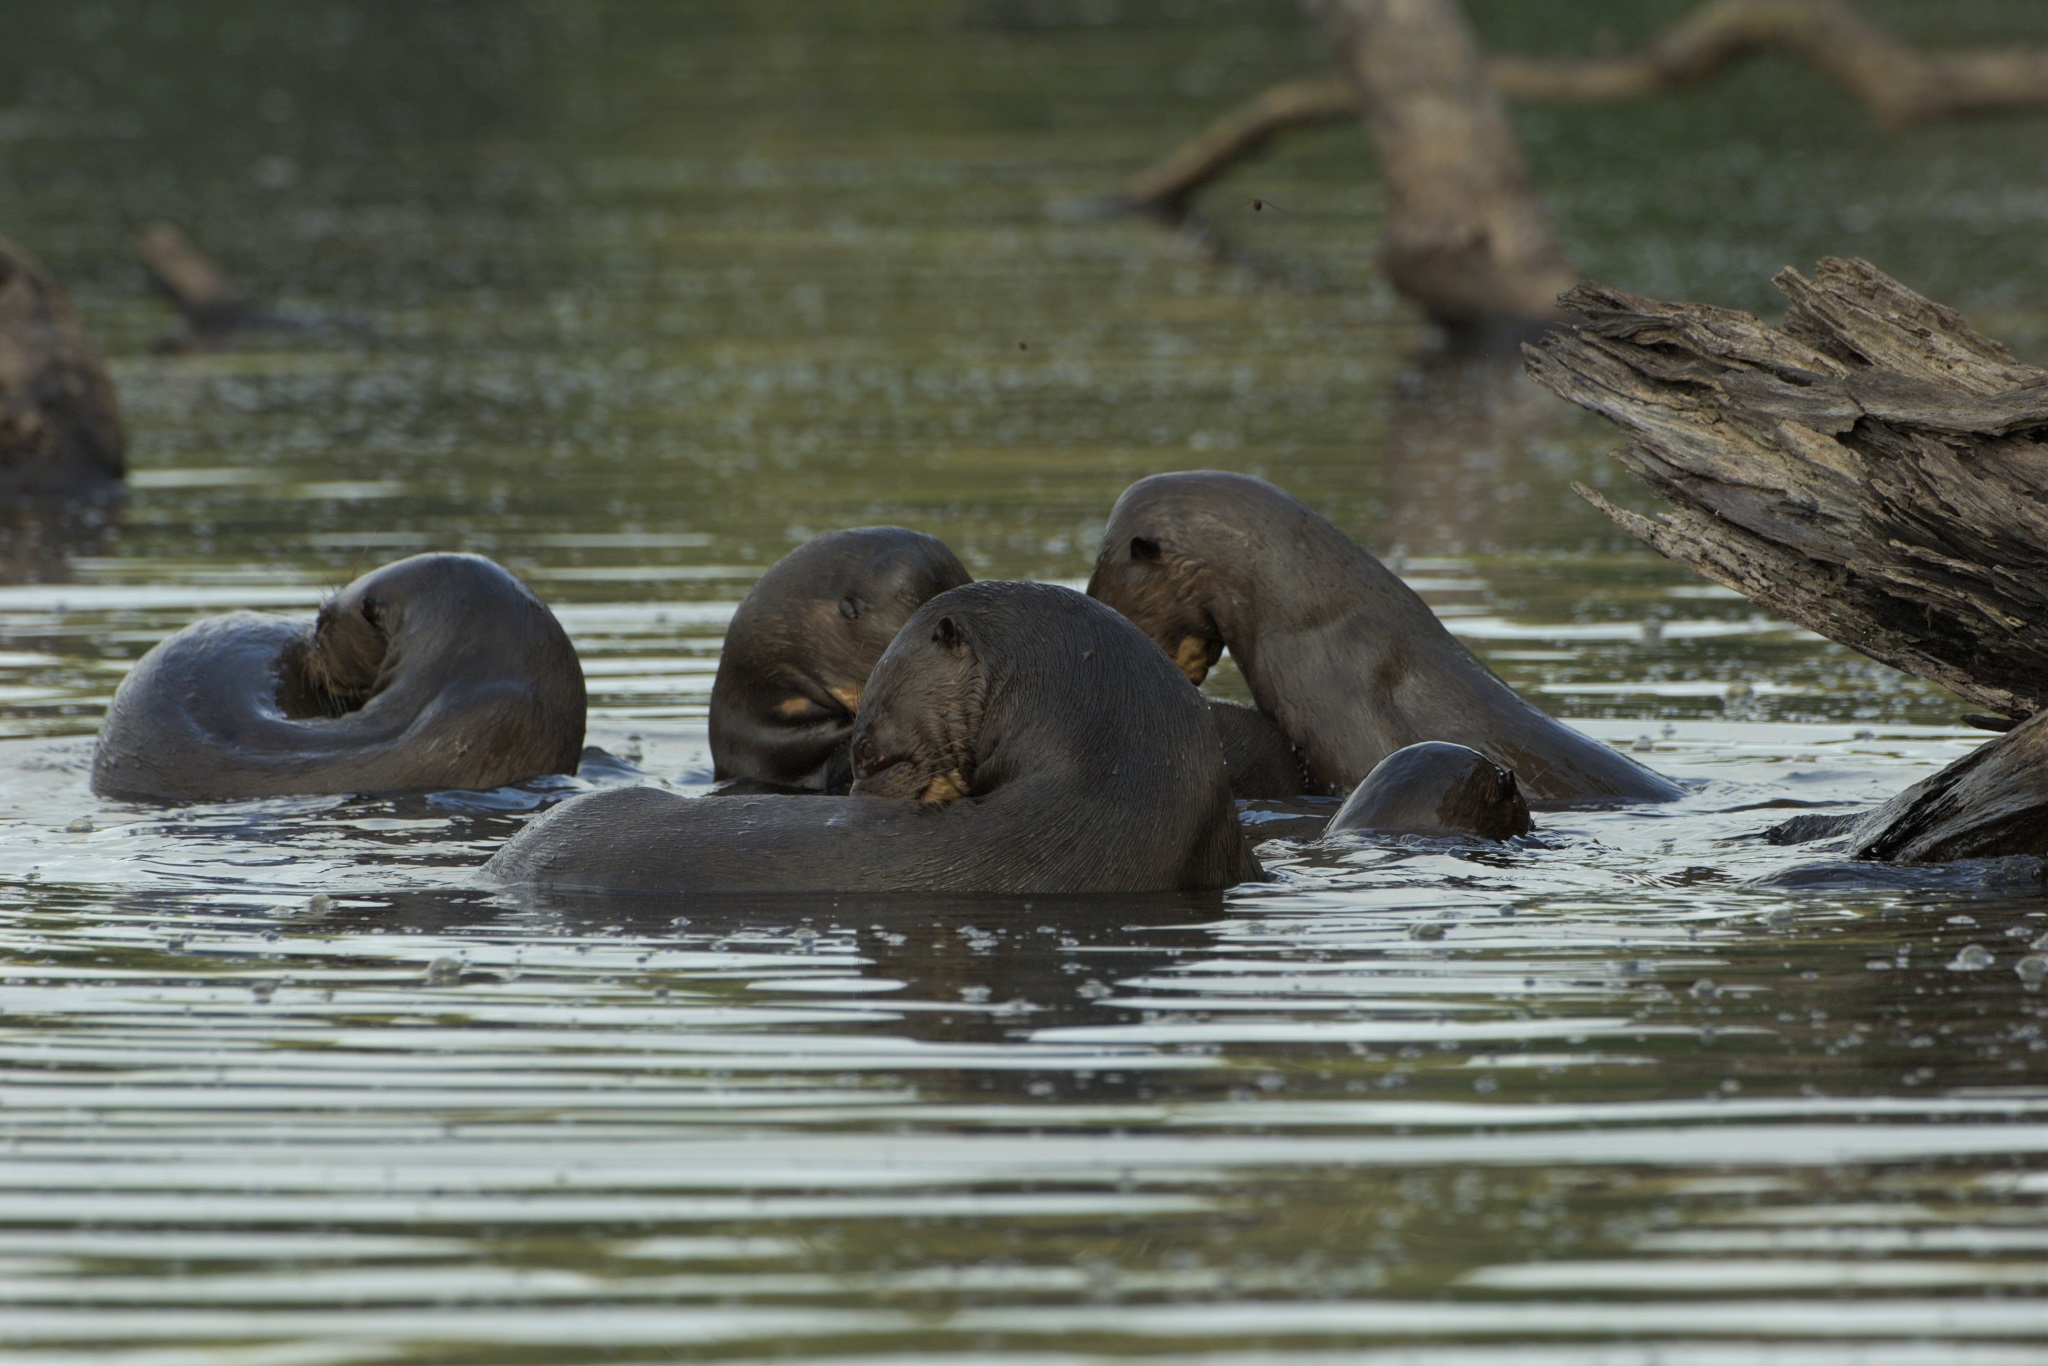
(800, 648)
(919, 734)
(1435, 788)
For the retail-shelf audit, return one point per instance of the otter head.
(1165, 560)
(1436, 788)
(800, 648)
(919, 732)
(1195, 559)
(337, 668)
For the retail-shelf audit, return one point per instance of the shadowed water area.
(652, 293)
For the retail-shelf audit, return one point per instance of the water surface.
(653, 293)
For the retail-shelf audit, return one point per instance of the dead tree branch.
(1899, 86)
(60, 427)
(1875, 471)
(1467, 236)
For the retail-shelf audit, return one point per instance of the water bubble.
(82, 826)
(443, 972)
(1643, 745)
(1970, 958)
(319, 903)
(2033, 970)
(1705, 990)
(1653, 632)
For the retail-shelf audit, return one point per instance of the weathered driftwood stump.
(1873, 470)
(60, 430)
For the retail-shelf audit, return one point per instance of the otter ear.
(1144, 548)
(851, 607)
(946, 635)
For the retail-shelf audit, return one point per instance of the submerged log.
(60, 429)
(1873, 470)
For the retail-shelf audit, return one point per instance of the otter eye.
(850, 607)
(947, 635)
(373, 611)
(1144, 548)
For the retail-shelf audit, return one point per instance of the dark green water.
(655, 291)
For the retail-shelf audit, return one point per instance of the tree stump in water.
(1873, 470)
(60, 431)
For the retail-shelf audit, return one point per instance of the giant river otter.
(805, 638)
(1435, 788)
(1015, 738)
(1337, 649)
(437, 671)
(799, 650)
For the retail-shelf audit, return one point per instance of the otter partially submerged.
(800, 648)
(1435, 788)
(438, 671)
(1015, 738)
(1341, 653)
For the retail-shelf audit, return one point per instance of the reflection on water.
(657, 293)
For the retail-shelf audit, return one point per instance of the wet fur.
(1088, 765)
(438, 671)
(1435, 788)
(798, 653)
(1349, 662)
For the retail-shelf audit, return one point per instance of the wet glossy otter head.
(1177, 551)
(1436, 788)
(995, 681)
(800, 648)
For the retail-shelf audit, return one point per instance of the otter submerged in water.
(1435, 789)
(800, 648)
(438, 671)
(805, 638)
(1350, 662)
(1015, 738)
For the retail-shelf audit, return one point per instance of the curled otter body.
(1015, 738)
(1435, 788)
(798, 653)
(1337, 650)
(438, 671)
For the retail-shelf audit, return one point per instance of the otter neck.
(1339, 622)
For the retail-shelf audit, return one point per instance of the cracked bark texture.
(1871, 469)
